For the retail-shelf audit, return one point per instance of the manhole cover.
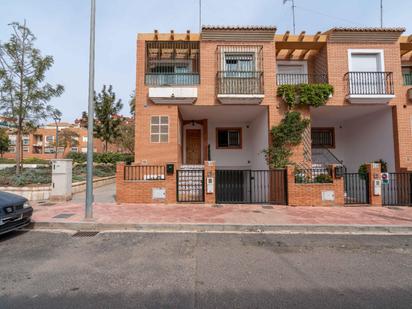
(63, 216)
(257, 211)
(267, 207)
(85, 234)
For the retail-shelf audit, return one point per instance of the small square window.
(230, 138)
(159, 129)
(323, 137)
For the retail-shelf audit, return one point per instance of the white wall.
(231, 158)
(363, 139)
(259, 136)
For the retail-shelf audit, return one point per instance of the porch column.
(210, 189)
(375, 196)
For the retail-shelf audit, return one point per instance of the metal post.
(57, 140)
(381, 13)
(200, 16)
(293, 13)
(89, 178)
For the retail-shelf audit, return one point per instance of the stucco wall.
(260, 140)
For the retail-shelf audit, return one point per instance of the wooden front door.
(193, 146)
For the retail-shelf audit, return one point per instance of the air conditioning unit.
(410, 94)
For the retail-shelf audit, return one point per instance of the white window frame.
(378, 52)
(159, 133)
(302, 63)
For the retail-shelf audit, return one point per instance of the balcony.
(370, 87)
(407, 79)
(240, 87)
(296, 79)
(171, 68)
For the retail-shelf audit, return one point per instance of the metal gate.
(190, 185)
(356, 188)
(251, 186)
(398, 190)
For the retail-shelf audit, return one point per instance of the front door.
(193, 146)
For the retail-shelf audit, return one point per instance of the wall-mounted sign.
(328, 195)
(385, 178)
(158, 193)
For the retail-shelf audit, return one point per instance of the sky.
(62, 30)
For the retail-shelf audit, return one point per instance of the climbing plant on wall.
(314, 95)
(284, 136)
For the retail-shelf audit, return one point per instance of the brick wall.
(310, 194)
(140, 191)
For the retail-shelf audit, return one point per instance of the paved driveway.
(103, 194)
(140, 270)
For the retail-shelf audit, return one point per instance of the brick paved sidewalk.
(227, 214)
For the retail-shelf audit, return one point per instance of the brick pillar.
(374, 171)
(120, 182)
(210, 171)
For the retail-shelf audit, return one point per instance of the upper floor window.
(49, 139)
(407, 74)
(159, 129)
(172, 63)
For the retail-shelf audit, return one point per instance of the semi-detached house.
(205, 104)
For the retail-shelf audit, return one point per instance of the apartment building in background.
(213, 97)
(41, 142)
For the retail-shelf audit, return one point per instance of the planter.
(42, 193)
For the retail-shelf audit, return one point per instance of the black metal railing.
(240, 82)
(370, 83)
(313, 175)
(251, 186)
(356, 186)
(165, 79)
(397, 190)
(407, 79)
(144, 172)
(190, 185)
(296, 79)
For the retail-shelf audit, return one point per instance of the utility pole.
(89, 178)
(293, 14)
(381, 13)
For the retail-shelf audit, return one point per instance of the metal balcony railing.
(165, 79)
(370, 83)
(296, 79)
(407, 79)
(240, 82)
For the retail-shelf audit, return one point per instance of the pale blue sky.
(62, 30)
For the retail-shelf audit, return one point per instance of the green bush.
(323, 178)
(314, 95)
(35, 161)
(7, 161)
(28, 176)
(106, 157)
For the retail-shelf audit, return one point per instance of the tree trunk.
(105, 147)
(18, 151)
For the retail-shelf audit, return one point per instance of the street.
(164, 270)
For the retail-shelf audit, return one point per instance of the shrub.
(77, 157)
(35, 161)
(7, 161)
(314, 95)
(323, 178)
(106, 157)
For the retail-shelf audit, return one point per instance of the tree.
(24, 94)
(126, 137)
(4, 141)
(107, 120)
(132, 103)
(82, 121)
(68, 138)
(57, 117)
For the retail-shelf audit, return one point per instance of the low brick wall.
(310, 194)
(142, 191)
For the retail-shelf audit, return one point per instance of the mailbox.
(170, 168)
(339, 171)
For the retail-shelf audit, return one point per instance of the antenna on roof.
(293, 13)
(381, 13)
(200, 16)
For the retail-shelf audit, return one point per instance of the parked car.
(15, 212)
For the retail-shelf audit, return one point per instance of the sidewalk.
(200, 217)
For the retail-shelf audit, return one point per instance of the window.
(12, 139)
(26, 140)
(49, 150)
(230, 138)
(74, 149)
(12, 149)
(49, 139)
(26, 149)
(239, 64)
(159, 129)
(84, 139)
(407, 74)
(323, 137)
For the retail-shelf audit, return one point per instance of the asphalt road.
(137, 270)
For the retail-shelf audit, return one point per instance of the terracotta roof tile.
(367, 29)
(217, 27)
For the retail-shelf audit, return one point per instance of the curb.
(227, 228)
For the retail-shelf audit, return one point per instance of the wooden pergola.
(298, 47)
(406, 47)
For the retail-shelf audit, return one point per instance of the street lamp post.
(89, 178)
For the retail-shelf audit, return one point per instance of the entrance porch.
(232, 136)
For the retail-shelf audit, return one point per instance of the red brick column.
(120, 181)
(210, 171)
(374, 171)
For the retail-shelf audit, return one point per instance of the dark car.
(15, 212)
